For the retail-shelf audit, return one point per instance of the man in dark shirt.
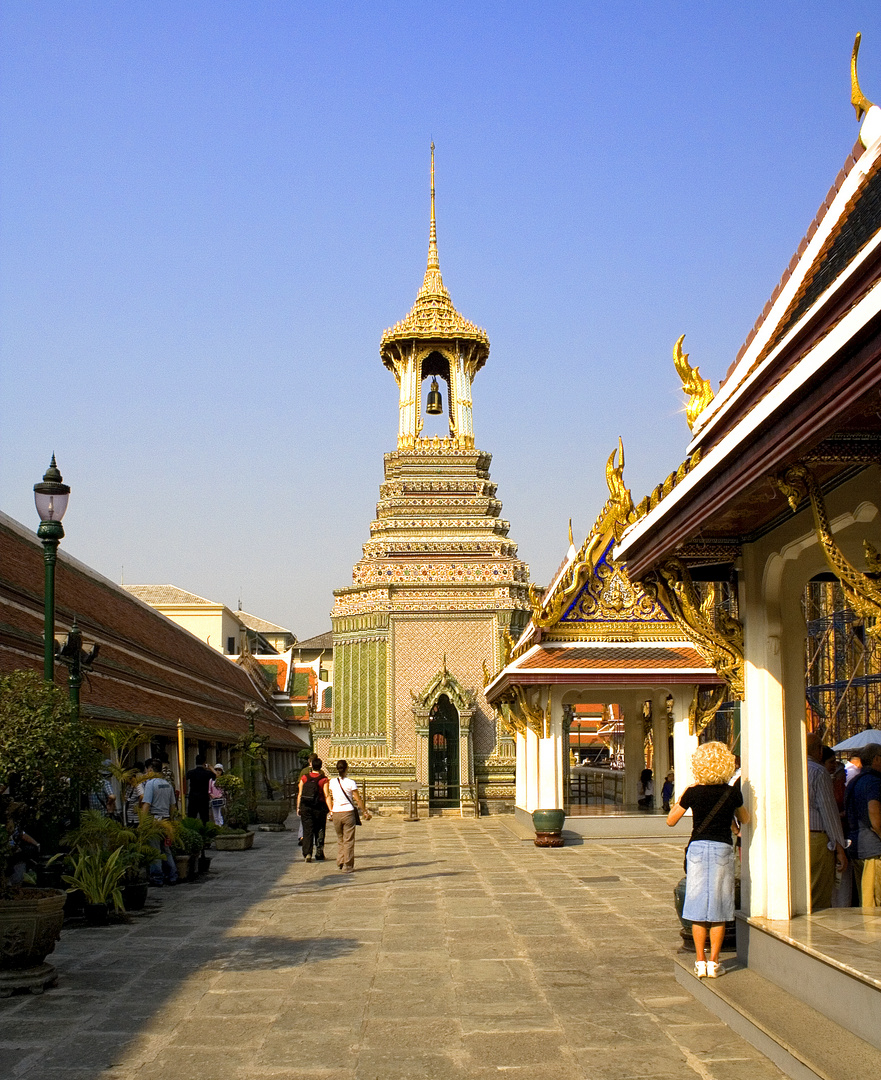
(198, 799)
(863, 808)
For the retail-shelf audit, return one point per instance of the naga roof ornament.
(700, 392)
(434, 316)
(871, 129)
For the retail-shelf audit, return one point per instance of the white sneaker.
(714, 969)
(700, 968)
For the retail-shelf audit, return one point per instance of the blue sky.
(210, 211)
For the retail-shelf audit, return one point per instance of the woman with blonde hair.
(709, 857)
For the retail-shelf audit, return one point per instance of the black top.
(198, 779)
(700, 799)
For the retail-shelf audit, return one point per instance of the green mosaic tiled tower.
(437, 588)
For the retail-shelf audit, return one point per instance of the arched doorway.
(443, 754)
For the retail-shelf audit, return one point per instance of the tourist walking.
(709, 857)
(198, 782)
(312, 808)
(344, 801)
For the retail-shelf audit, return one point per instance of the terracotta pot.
(548, 825)
(29, 928)
(238, 841)
(273, 811)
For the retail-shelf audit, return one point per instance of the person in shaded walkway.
(312, 808)
(344, 800)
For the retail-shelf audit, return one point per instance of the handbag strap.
(705, 823)
(348, 798)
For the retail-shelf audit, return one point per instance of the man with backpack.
(312, 808)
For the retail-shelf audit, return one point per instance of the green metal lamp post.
(51, 498)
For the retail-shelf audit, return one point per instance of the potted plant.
(98, 876)
(273, 811)
(207, 830)
(185, 848)
(47, 757)
(97, 832)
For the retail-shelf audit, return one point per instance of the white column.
(531, 770)
(684, 743)
(634, 747)
(660, 741)
(521, 796)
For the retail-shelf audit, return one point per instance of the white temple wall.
(775, 571)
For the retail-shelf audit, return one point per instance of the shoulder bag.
(349, 799)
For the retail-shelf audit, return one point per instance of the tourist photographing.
(709, 857)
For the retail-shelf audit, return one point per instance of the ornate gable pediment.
(609, 596)
(444, 682)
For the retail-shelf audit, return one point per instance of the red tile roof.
(639, 657)
(150, 671)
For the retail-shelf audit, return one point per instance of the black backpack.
(311, 794)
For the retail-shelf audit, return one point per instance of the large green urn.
(548, 825)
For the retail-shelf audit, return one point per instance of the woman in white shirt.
(343, 798)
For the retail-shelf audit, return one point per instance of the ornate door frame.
(464, 702)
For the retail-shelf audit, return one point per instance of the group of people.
(320, 798)
(844, 805)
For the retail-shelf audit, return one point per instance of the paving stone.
(455, 952)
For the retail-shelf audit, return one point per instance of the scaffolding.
(842, 665)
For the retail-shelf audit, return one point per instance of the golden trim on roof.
(858, 99)
(700, 392)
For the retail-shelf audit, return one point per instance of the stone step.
(802, 1043)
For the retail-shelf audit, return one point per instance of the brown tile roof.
(150, 671)
(167, 594)
(320, 641)
(260, 625)
(637, 658)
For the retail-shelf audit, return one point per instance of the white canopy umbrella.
(857, 742)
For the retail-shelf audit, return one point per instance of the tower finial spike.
(433, 261)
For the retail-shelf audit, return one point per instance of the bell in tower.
(434, 405)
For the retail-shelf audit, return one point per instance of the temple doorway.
(443, 755)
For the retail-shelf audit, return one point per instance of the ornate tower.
(438, 588)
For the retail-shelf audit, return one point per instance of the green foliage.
(238, 814)
(98, 874)
(206, 829)
(47, 756)
(97, 833)
(186, 841)
(230, 784)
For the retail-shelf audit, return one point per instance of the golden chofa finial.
(857, 98)
(571, 540)
(700, 392)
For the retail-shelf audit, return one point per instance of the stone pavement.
(455, 952)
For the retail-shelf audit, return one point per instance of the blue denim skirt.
(709, 882)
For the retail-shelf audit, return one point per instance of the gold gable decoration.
(610, 596)
(548, 608)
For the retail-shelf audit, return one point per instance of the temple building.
(439, 589)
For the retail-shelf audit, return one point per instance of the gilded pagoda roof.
(434, 316)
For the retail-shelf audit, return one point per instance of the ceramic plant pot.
(548, 825)
(237, 841)
(183, 867)
(273, 811)
(203, 865)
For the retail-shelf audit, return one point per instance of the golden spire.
(433, 315)
(433, 261)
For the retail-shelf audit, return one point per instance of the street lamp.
(51, 499)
